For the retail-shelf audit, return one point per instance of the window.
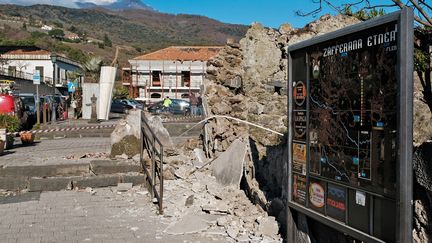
(185, 78)
(155, 95)
(41, 71)
(12, 71)
(156, 77)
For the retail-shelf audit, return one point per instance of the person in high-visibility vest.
(167, 103)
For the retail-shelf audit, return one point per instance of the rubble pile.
(195, 202)
(248, 81)
(212, 209)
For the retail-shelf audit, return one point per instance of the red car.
(7, 104)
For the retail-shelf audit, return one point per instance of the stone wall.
(241, 83)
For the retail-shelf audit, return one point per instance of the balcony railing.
(28, 76)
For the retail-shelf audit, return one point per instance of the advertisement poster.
(317, 195)
(300, 95)
(299, 158)
(336, 198)
(299, 189)
(300, 125)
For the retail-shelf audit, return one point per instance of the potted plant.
(27, 137)
(12, 124)
(2, 146)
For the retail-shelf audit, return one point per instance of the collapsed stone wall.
(241, 83)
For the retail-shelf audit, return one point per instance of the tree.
(56, 33)
(92, 68)
(423, 10)
(107, 41)
(73, 29)
(120, 92)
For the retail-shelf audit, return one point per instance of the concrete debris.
(189, 201)
(215, 210)
(99, 155)
(124, 187)
(125, 137)
(182, 172)
(232, 232)
(228, 168)
(122, 156)
(218, 207)
(268, 226)
(200, 157)
(187, 225)
(90, 190)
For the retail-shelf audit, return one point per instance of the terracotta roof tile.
(25, 52)
(183, 53)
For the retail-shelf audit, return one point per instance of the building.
(23, 62)
(175, 71)
(47, 27)
(72, 36)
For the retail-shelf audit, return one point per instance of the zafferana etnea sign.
(372, 40)
(350, 134)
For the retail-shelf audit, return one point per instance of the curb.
(185, 118)
(63, 129)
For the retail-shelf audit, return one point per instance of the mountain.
(128, 4)
(136, 30)
(117, 6)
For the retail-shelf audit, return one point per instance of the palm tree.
(92, 68)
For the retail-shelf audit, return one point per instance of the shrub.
(11, 123)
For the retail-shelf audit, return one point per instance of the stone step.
(69, 182)
(105, 166)
(81, 169)
(63, 183)
(113, 166)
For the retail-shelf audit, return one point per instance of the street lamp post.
(53, 112)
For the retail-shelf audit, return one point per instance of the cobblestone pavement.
(100, 215)
(55, 151)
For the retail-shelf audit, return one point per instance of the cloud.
(98, 2)
(65, 3)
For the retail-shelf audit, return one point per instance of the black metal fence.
(153, 167)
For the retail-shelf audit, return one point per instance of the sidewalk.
(81, 216)
(57, 151)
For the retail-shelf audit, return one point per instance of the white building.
(47, 27)
(22, 64)
(174, 71)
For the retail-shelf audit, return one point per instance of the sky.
(270, 13)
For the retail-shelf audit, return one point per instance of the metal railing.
(22, 75)
(154, 148)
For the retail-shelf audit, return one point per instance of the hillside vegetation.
(136, 31)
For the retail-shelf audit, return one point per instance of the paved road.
(79, 216)
(58, 151)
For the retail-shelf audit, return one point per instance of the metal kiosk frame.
(404, 183)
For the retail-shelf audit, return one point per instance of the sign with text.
(344, 106)
(72, 86)
(36, 77)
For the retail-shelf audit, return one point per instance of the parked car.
(178, 107)
(135, 104)
(29, 102)
(120, 106)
